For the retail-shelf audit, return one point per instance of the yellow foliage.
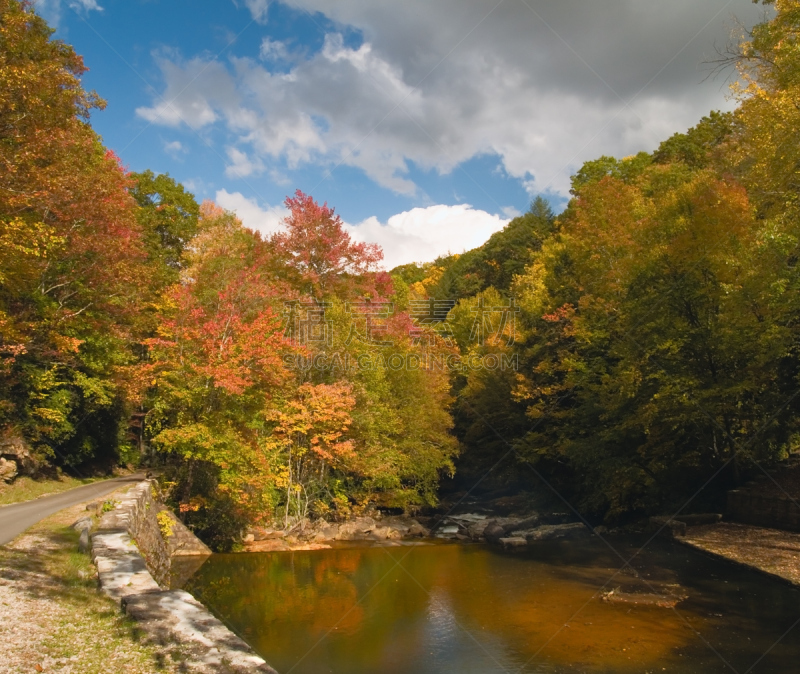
(165, 524)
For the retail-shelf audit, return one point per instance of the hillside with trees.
(654, 334)
(657, 333)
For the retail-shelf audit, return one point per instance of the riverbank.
(770, 551)
(52, 617)
(136, 540)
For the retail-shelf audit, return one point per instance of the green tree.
(168, 216)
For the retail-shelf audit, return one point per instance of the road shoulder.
(52, 614)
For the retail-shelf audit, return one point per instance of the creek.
(464, 609)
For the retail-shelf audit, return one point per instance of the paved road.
(14, 519)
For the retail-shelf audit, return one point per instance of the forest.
(648, 333)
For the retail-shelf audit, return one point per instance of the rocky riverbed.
(512, 532)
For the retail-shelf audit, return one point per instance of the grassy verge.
(72, 626)
(26, 488)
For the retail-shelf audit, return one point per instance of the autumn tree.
(320, 257)
(72, 261)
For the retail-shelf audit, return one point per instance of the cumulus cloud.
(544, 85)
(265, 220)
(241, 165)
(272, 50)
(174, 148)
(418, 235)
(195, 90)
(423, 234)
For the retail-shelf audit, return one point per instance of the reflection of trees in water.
(369, 609)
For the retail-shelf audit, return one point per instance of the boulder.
(548, 532)
(557, 518)
(83, 541)
(14, 448)
(513, 543)
(385, 533)
(521, 533)
(8, 470)
(493, 532)
(523, 524)
(263, 534)
(358, 529)
(365, 529)
(667, 527)
(476, 530)
(84, 523)
(416, 529)
(326, 532)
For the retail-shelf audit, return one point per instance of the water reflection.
(464, 609)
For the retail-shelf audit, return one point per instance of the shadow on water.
(464, 609)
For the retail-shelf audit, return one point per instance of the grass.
(26, 488)
(84, 629)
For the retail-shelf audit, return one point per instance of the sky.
(426, 125)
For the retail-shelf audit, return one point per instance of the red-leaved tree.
(320, 256)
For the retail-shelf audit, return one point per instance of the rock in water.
(494, 532)
(549, 532)
(522, 525)
(416, 529)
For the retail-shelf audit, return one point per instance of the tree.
(69, 293)
(168, 216)
(321, 258)
(215, 366)
(312, 429)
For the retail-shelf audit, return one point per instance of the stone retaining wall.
(167, 616)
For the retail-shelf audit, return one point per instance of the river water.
(464, 609)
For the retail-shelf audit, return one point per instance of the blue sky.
(427, 125)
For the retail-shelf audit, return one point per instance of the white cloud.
(86, 4)
(174, 148)
(511, 212)
(423, 234)
(543, 85)
(418, 235)
(241, 165)
(272, 50)
(51, 10)
(194, 90)
(265, 220)
(258, 8)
